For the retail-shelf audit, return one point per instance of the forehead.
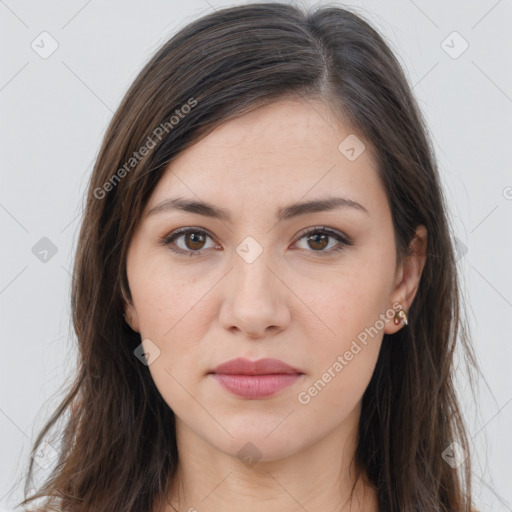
(285, 151)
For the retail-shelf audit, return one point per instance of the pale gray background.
(54, 113)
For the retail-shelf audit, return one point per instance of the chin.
(253, 449)
(260, 438)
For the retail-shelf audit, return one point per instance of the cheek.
(341, 370)
(175, 311)
(169, 302)
(345, 350)
(346, 304)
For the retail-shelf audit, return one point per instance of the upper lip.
(266, 366)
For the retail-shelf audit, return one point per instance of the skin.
(297, 301)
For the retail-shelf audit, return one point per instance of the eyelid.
(168, 239)
(330, 231)
(343, 240)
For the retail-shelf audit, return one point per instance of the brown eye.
(194, 241)
(318, 241)
(190, 242)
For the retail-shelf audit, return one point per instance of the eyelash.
(343, 241)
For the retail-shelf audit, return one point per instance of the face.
(253, 277)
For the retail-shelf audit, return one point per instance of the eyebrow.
(294, 210)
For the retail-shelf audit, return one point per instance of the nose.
(255, 300)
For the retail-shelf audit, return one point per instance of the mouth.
(255, 379)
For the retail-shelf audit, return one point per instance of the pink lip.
(255, 379)
(241, 366)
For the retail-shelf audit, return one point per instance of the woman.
(265, 293)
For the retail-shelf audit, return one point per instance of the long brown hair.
(117, 447)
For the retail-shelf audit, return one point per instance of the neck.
(320, 477)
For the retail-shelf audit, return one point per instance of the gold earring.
(401, 316)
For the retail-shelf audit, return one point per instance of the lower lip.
(256, 386)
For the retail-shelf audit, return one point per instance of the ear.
(409, 275)
(130, 313)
